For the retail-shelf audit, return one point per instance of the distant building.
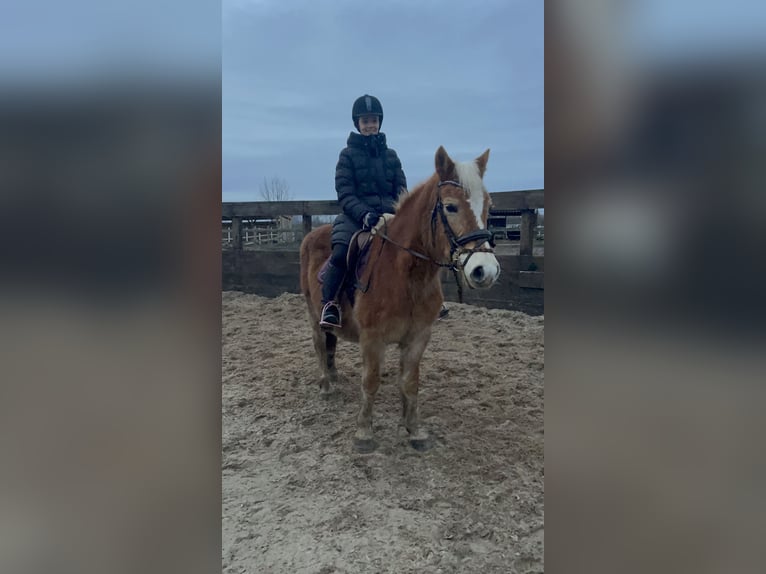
(267, 223)
(262, 230)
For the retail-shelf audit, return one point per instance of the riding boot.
(332, 284)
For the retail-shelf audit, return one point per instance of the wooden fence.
(504, 203)
(258, 236)
(272, 273)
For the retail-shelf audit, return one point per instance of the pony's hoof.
(420, 444)
(365, 445)
(327, 387)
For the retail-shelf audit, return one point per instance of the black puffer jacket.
(368, 177)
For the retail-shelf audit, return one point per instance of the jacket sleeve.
(400, 181)
(349, 201)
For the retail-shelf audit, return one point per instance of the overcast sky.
(464, 74)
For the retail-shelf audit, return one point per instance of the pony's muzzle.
(482, 270)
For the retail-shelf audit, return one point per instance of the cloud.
(464, 75)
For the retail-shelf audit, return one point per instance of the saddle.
(358, 253)
(357, 257)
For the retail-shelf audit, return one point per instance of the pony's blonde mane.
(469, 177)
(415, 193)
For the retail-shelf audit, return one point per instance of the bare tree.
(275, 190)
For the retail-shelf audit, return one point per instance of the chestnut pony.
(441, 223)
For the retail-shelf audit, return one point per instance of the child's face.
(369, 125)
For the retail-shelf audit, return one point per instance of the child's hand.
(370, 219)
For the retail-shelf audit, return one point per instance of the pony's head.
(462, 206)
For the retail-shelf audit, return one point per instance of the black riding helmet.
(366, 105)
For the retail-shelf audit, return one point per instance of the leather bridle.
(457, 243)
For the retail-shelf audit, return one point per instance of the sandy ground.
(298, 499)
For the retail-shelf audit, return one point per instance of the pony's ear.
(481, 161)
(445, 167)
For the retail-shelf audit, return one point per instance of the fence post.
(527, 238)
(306, 224)
(236, 230)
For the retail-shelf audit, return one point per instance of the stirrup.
(330, 319)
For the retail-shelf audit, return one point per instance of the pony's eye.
(451, 208)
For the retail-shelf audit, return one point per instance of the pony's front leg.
(373, 353)
(325, 344)
(409, 382)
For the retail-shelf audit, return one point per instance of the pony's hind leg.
(331, 342)
(409, 382)
(325, 344)
(373, 354)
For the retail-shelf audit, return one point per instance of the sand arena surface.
(298, 499)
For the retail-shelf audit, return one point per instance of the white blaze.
(486, 263)
(468, 175)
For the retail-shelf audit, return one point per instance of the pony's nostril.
(478, 273)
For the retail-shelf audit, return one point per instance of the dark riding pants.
(335, 272)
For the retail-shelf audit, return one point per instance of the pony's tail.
(305, 267)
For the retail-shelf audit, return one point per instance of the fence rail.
(259, 236)
(504, 203)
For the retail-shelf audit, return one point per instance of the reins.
(410, 251)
